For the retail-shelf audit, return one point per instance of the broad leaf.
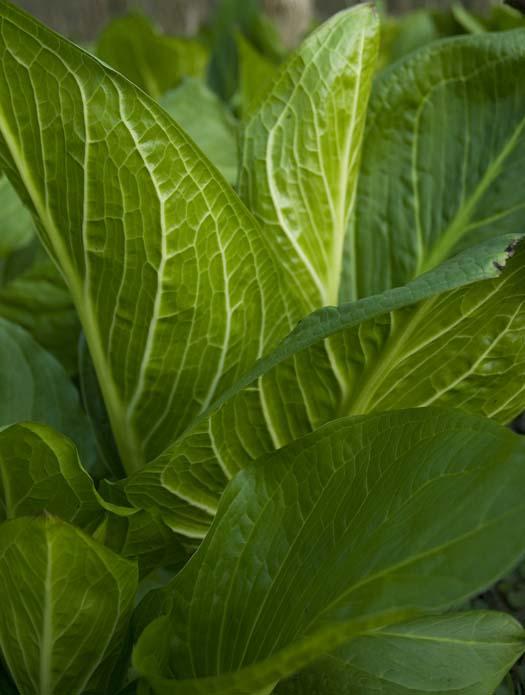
(40, 472)
(165, 265)
(209, 123)
(426, 191)
(151, 60)
(257, 74)
(35, 387)
(301, 150)
(449, 338)
(66, 602)
(359, 525)
(460, 654)
(38, 300)
(16, 224)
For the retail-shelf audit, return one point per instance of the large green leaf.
(165, 265)
(207, 120)
(151, 60)
(359, 525)
(301, 150)
(456, 654)
(40, 471)
(34, 386)
(38, 300)
(426, 190)
(16, 226)
(66, 602)
(453, 337)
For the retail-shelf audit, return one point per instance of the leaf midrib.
(85, 311)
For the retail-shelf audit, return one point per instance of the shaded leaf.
(38, 300)
(460, 654)
(451, 338)
(362, 524)
(425, 191)
(34, 387)
(69, 606)
(40, 472)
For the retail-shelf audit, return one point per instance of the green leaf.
(143, 537)
(66, 602)
(108, 465)
(7, 686)
(452, 338)
(35, 387)
(460, 654)
(208, 122)
(15, 220)
(164, 289)
(360, 525)
(426, 191)
(151, 60)
(257, 74)
(40, 471)
(38, 300)
(301, 150)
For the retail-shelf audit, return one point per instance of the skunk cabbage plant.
(289, 469)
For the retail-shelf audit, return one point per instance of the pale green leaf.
(456, 654)
(35, 387)
(165, 265)
(302, 147)
(66, 602)
(359, 525)
(16, 225)
(40, 472)
(208, 122)
(426, 191)
(453, 337)
(152, 61)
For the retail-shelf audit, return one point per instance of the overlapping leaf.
(460, 654)
(356, 526)
(166, 267)
(38, 300)
(66, 603)
(40, 472)
(452, 337)
(425, 190)
(35, 387)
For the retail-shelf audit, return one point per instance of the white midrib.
(125, 439)
(346, 198)
(46, 642)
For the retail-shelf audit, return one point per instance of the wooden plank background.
(82, 19)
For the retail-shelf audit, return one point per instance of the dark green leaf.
(356, 526)
(66, 602)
